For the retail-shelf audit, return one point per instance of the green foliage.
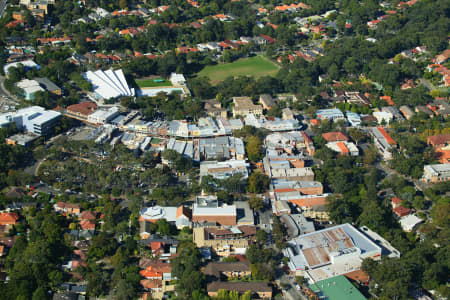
(258, 183)
(254, 149)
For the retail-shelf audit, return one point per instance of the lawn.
(255, 66)
(154, 82)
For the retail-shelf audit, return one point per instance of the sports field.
(154, 82)
(255, 66)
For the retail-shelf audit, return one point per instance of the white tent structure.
(109, 84)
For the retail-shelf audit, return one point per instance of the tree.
(40, 294)
(254, 149)
(123, 4)
(258, 182)
(256, 203)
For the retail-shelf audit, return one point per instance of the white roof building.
(177, 79)
(109, 84)
(28, 64)
(102, 116)
(382, 115)
(409, 222)
(33, 119)
(330, 252)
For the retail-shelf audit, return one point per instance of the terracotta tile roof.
(61, 204)
(437, 140)
(388, 99)
(151, 283)
(342, 147)
(335, 136)
(401, 211)
(156, 270)
(182, 210)
(88, 215)
(396, 200)
(87, 224)
(308, 202)
(358, 275)
(8, 218)
(84, 108)
(387, 136)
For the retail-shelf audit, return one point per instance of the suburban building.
(335, 137)
(336, 288)
(292, 142)
(343, 148)
(218, 271)
(179, 216)
(261, 289)
(297, 224)
(207, 209)
(287, 114)
(330, 252)
(383, 116)
(305, 187)
(27, 64)
(407, 112)
(158, 270)
(34, 119)
(101, 116)
(271, 123)
(81, 110)
(49, 86)
(383, 141)
(266, 101)
(224, 169)
(225, 241)
(441, 145)
(23, 139)
(436, 173)
(332, 114)
(244, 106)
(214, 109)
(69, 208)
(220, 148)
(29, 88)
(409, 222)
(288, 168)
(8, 218)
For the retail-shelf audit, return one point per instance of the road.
(290, 293)
(426, 83)
(2, 7)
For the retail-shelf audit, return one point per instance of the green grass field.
(255, 66)
(146, 83)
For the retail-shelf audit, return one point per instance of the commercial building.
(49, 86)
(336, 288)
(22, 139)
(221, 148)
(353, 118)
(288, 168)
(103, 116)
(297, 224)
(34, 119)
(109, 84)
(224, 169)
(436, 173)
(383, 141)
(270, 123)
(244, 106)
(207, 209)
(292, 142)
(81, 110)
(224, 270)
(29, 88)
(304, 187)
(330, 252)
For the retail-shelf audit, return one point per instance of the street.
(2, 7)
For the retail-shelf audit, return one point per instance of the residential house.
(70, 208)
(8, 218)
(383, 141)
(407, 112)
(441, 146)
(332, 114)
(218, 271)
(287, 114)
(158, 270)
(335, 137)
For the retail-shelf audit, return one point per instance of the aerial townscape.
(224, 149)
